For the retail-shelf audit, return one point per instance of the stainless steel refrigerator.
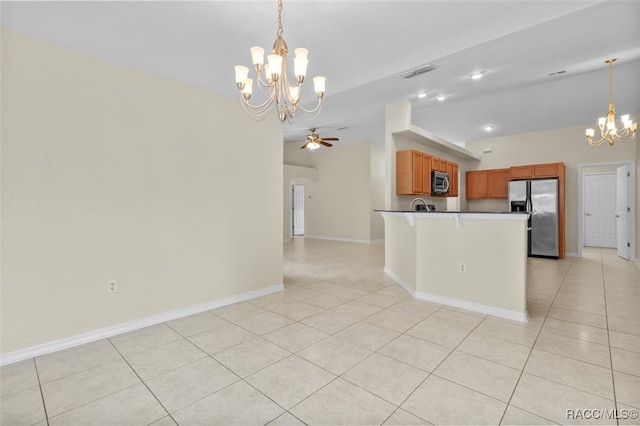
(539, 198)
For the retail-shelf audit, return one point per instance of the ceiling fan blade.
(304, 146)
(330, 139)
(325, 143)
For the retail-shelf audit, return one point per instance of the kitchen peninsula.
(474, 261)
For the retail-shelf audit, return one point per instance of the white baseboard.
(457, 303)
(408, 287)
(346, 240)
(571, 254)
(475, 307)
(92, 336)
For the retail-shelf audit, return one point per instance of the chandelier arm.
(262, 84)
(596, 143)
(265, 105)
(314, 109)
(255, 115)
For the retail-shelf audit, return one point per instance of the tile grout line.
(44, 404)
(431, 373)
(534, 344)
(143, 382)
(606, 317)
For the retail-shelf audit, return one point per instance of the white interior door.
(600, 209)
(623, 211)
(297, 204)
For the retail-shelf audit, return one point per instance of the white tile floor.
(343, 344)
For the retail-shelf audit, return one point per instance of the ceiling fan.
(314, 141)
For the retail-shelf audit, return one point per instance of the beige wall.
(340, 203)
(566, 145)
(113, 173)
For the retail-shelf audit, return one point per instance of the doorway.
(606, 203)
(297, 209)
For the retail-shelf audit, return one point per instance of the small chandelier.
(280, 93)
(608, 129)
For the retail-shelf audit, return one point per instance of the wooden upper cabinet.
(536, 171)
(438, 164)
(498, 183)
(521, 172)
(487, 184)
(546, 170)
(413, 173)
(477, 184)
(426, 173)
(453, 181)
(416, 159)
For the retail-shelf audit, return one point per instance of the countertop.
(442, 211)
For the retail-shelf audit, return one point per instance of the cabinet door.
(498, 183)
(477, 184)
(453, 176)
(435, 163)
(404, 172)
(521, 172)
(449, 170)
(417, 172)
(545, 170)
(426, 174)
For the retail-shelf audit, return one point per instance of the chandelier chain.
(279, 33)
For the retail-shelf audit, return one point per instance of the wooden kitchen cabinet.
(532, 171)
(438, 164)
(483, 184)
(413, 172)
(546, 170)
(477, 184)
(426, 174)
(453, 180)
(498, 186)
(521, 172)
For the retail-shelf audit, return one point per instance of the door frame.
(632, 202)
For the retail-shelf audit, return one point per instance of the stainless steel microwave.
(439, 183)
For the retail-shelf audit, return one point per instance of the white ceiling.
(361, 47)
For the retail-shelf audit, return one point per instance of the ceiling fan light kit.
(281, 93)
(314, 141)
(608, 130)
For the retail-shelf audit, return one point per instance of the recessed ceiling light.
(488, 128)
(477, 75)
(422, 95)
(441, 98)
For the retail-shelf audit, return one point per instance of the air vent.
(416, 72)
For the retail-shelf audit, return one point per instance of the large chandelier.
(281, 94)
(608, 129)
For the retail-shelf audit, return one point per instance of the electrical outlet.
(462, 268)
(112, 286)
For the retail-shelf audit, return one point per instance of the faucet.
(418, 199)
